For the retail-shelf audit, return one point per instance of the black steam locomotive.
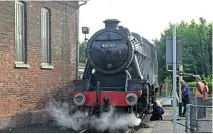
(121, 71)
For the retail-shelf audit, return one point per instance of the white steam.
(114, 121)
(79, 120)
(61, 114)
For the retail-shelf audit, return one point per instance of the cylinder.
(111, 23)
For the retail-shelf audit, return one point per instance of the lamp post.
(174, 80)
(180, 95)
(85, 31)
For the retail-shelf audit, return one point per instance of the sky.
(147, 17)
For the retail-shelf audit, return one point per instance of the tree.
(82, 53)
(196, 42)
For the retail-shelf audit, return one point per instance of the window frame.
(20, 44)
(46, 39)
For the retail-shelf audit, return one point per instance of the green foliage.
(196, 44)
(208, 78)
(82, 53)
(82, 64)
(168, 79)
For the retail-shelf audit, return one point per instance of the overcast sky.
(147, 17)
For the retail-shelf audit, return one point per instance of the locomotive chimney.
(111, 23)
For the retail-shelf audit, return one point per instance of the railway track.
(136, 128)
(129, 130)
(84, 130)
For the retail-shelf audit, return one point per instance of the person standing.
(206, 90)
(185, 95)
(199, 89)
(205, 95)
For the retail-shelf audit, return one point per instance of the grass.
(167, 108)
(82, 65)
(209, 110)
(163, 92)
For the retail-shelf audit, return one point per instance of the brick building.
(38, 44)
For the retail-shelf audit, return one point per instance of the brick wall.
(22, 89)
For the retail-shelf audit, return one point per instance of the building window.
(45, 38)
(20, 35)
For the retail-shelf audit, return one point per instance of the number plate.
(108, 45)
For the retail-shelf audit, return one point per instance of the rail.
(136, 128)
(83, 131)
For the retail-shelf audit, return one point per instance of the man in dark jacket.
(185, 95)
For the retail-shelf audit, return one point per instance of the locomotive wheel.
(143, 102)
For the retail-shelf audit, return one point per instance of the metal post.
(212, 53)
(188, 109)
(180, 96)
(174, 81)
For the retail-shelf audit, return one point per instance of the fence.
(199, 116)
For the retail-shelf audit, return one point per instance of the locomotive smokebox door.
(109, 50)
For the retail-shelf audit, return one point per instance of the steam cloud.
(107, 121)
(61, 114)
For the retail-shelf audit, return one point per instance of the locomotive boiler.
(121, 71)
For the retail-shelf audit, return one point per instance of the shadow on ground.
(39, 121)
(50, 127)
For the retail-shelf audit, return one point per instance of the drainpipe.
(77, 41)
(82, 4)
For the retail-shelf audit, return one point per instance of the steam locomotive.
(121, 71)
